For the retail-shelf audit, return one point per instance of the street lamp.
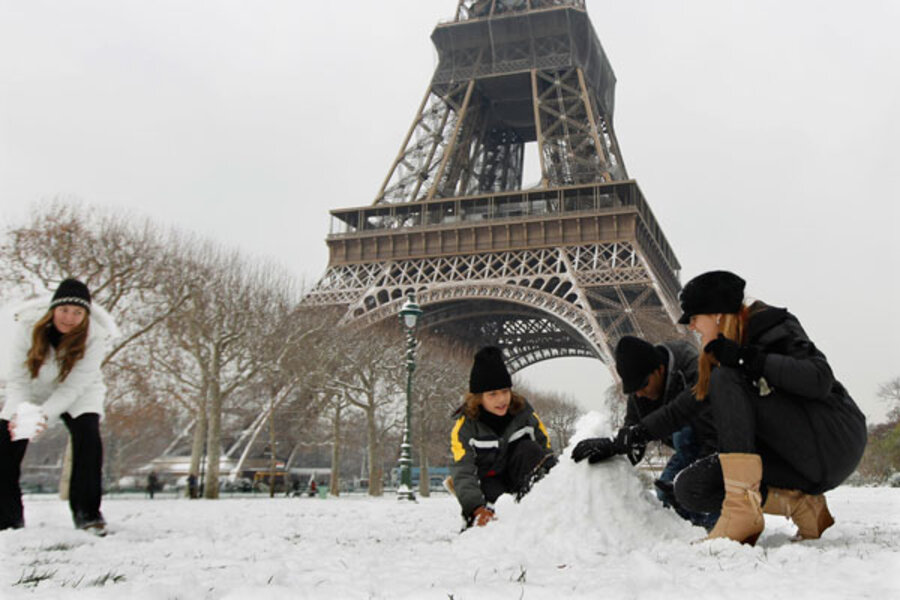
(409, 315)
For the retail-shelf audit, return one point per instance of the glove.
(482, 516)
(595, 450)
(632, 441)
(731, 354)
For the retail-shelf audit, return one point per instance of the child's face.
(496, 401)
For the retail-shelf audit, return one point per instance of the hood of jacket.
(681, 368)
(103, 324)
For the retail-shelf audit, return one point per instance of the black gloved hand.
(731, 354)
(595, 450)
(632, 441)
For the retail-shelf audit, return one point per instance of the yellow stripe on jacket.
(544, 429)
(455, 445)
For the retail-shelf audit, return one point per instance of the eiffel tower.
(564, 268)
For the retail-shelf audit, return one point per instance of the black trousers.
(521, 459)
(11, 454)
(86, 484)
(806, 444)
(86, 481)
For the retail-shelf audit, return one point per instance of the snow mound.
(579, 512)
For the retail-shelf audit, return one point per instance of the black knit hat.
(710, 293)
(72, 291)
(636, 360)
(488, 371)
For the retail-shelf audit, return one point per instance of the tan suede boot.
(809, 513)
(742, 518)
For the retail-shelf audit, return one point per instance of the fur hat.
(488, 371)
(72, 291)
(710, 293)
(636, 360)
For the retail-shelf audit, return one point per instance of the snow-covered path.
(358, 547)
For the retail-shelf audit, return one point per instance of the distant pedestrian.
(313, 488)
(152, 483)
(192, 486)
(56, 352)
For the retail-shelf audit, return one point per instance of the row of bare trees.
(219, 349)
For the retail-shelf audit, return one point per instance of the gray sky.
(764, 134)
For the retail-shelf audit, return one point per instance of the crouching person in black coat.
(787, 430)
(499, 443)
(785, 425)
(655, 377)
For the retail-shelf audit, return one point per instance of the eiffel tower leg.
(535, 100)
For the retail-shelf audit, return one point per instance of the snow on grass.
(584, 532)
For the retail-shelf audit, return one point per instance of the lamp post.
(409, 315)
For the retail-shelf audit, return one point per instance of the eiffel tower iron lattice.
(564, 268)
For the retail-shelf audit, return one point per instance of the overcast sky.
(764, 134)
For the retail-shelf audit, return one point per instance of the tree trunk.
(376, 488)
(424, 482)
(199, 442)
(213, 443)
(65, 474)
(335, 487)
(274, 460)
(421, 444)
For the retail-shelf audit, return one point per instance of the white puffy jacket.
(82, 391)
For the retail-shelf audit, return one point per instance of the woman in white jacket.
(55, 359)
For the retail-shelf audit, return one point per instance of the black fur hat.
(71, 291)
(710, 293)
(488, 371)
(635, 361)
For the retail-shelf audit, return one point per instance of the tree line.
(220, 357)
(881, 462)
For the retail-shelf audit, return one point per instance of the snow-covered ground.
(584, 532)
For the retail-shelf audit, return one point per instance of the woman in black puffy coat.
(783, 420)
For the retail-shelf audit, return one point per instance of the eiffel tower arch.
(564, 268)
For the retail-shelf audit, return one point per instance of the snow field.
(585, 531)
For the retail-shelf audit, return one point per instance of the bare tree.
(616, 404)
(221, 337)
(559, 415)
(336, 405)
(889, 392)
(371, 378)
(440, 381)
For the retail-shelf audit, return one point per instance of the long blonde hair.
(734, 327)
(472, 404)
(70, 350)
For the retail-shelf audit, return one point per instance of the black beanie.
(711, 293)
(72, 291)
(635, 361)
(488, 371)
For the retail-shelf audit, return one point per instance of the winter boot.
(742, 518)
(95, 525)
(809, 513)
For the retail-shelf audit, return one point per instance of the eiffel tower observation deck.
(563, 268)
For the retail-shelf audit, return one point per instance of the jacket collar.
(762, 319)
